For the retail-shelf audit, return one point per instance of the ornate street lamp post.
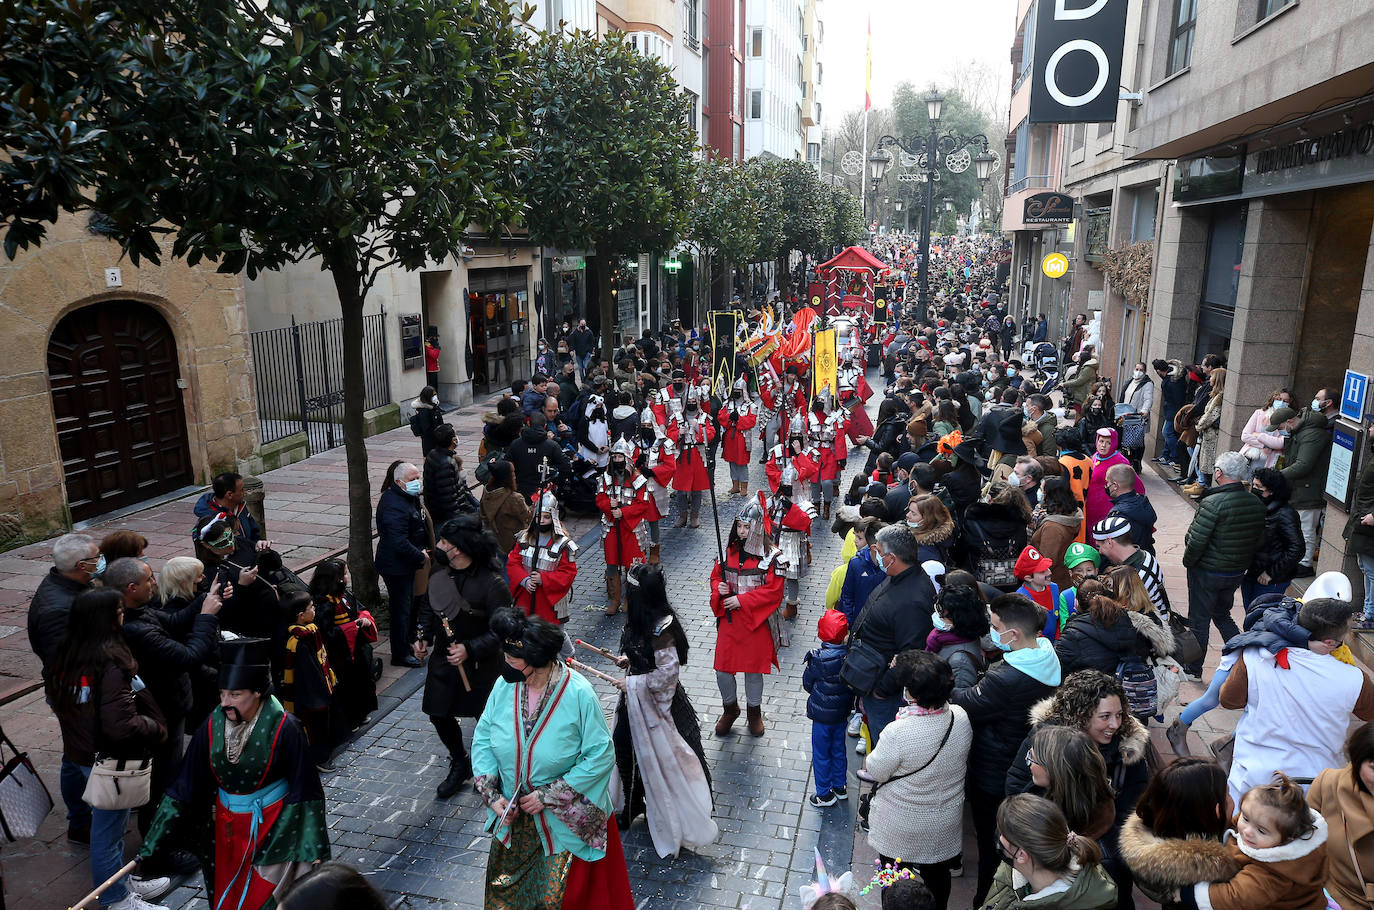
(931, 151)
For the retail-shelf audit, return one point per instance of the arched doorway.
(121, 426)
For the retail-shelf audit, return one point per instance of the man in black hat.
(248, 769)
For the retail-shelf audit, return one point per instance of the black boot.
(459, 773)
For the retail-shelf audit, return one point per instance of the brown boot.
(825, 511)
(729, 712)
(789, 610)
(696, 520)
(681, 521)
(756, 727)
(653, 554)
(613, 594)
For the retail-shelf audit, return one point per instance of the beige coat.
(1349, 814)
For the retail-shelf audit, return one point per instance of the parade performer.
(746, 592)
(656, 462)
(691, 432)
(247, 800)
(657, 738)
(670, 400)
(543, 564)
(796, 454)
(829, 426)
(543, 757)
(769, 419)
(789, 525)
(594, 433)
(736, 419)
(623, 499)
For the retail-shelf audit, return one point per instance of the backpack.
(1140, 685)
(416, 424)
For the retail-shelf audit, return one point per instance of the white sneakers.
(148, 888)
(134, 902)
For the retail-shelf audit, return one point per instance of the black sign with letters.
(1048, 208)
(1077, 65)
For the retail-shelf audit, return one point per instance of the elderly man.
(896, 618)
(1222, 539)
(1131, 505)
(402, 539)
(76, 560)
(247, 801)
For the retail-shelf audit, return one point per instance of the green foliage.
(797, 209)
(611, 161)
(910, 120)
(726, 211)
(848, 227)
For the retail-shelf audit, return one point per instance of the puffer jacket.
(48, 613)
(1164, 865)
(442, 490)
(1283, 544)
(401, 532)
(1226, 531)
(999, 708)
(1306, 456)
(1271, 623)
(1358, 535)
(1087, 645)
(169, 647)
(829, 700)
(1081, 382)
(935, 543)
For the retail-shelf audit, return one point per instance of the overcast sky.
(913, 40)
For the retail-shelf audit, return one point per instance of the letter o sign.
(1068, 47)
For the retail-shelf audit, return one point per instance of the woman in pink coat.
(1105, 454)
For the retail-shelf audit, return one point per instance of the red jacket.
(806, 466)
(744, 643)
(735, 443)
(554, 584)
(690, 475)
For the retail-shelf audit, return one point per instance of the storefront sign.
(1048, 208)
(1353, 395)
(1209, 177)
(1055, 265)
(1341, 469)
(1343, 155)
(1077, 66)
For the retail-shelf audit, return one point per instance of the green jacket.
(1359, 536)
(1081, 382)
(1226, 531)
(1306, 456)
(1091, 889)
(1047, 425)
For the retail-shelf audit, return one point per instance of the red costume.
(804, 463)
(630, 493)
(691, 437)
(744, 642)
(734, 444)
(551, 555)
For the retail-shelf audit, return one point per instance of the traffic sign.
(1055, 265)
(1353, 394)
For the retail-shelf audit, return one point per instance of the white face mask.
(1014, 479)
(1139, 374)
(1316, 404)
(1280, 403)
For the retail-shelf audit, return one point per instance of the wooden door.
(121, 425)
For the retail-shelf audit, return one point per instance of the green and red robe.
(256, 824)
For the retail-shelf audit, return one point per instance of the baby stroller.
(576, 490)
(1046, 359)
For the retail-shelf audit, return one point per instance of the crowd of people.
(995, 640)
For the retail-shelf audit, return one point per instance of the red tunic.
(661, 462)
(690, 475)
(805, 465)
(735, 441)
(623, 549)
(744, 643)
(554, 584)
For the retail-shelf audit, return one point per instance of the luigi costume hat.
(1080, 553)
(246, 663)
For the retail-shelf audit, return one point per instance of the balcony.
(1013, 207)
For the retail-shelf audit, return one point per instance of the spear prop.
(715, 514)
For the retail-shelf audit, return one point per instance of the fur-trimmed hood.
(935, 536)
(1295, 849)
(1166, 863)
(1133, 740)
(1154, 630)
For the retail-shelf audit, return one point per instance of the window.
(1076, 137)
(1143, 218)
(1181, 43)
(801, 78)
(756, 43)
(690, 13)
(1268, 8)
(755, 105)
(693, 107)
(813, 153)
(819, 72)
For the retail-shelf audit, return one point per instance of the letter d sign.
(1077, 65)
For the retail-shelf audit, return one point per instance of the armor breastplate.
(544, 557)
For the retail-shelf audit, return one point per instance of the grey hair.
(70, 549)
(403, 468)
(125, 571)
(178, 577)
(1233, 465)
(898, 540)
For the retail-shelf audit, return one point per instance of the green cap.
(1081, 552)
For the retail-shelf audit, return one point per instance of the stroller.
(1046, 359)
(576, 490)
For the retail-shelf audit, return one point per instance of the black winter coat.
(528, 452)
(169, 646)
(830, 699)
(1086, 645)
(444, 494)
(999, 709)
(1283, 544)
(401, 532)
(468, 598)
(896, 618)
(48, 613)
(1140, 512)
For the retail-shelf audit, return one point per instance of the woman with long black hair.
(657, 736)
(348, 631)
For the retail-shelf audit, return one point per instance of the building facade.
(724, 111)
(775, 77)
(813, 72)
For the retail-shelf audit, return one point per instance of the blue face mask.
(940, 623)
(100, 566)
(1316, 405)
(997, 639)
(413, 487)
(1011, 372)
(1280, 403)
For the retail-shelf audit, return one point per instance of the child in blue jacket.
(828, 707)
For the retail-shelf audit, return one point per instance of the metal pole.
(386, 367)
(328, 394)
(300, 375)
(923, 275)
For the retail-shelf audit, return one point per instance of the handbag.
(1133, 431)
(866, 801)
(1168, 678)
(115, 783)
(1186, 648)
(24, 800)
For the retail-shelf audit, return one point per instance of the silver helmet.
(756, 542)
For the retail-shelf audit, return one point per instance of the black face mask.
(737, 394)
(546, 527)
(617, 467)
(510, 674)
(647, 435)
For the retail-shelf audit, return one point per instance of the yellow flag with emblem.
(824, 366)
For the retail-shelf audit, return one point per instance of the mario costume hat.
(1111, 526)
(1080, 553)
(246, 663)
(1031, 561)
(833, 627)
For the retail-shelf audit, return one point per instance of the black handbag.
(1186, 648)
(864, 664)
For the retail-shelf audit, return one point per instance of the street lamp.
(953, 151)
(878, 163)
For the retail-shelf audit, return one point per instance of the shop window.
(1221, 279)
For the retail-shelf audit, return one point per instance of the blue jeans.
(1170, 438)
(829, 760)
(880, 712)
(72, 783)
(107, 847)
(1367, 568)
(1210, 597)
(400, 591)
(583, 362)
(1250, 589)
(1209, 700)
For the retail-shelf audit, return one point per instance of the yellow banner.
(824, 366)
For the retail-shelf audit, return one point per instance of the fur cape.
(1163, 865)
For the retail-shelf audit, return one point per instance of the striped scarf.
(294, 636)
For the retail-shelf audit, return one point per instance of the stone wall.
(205, 311)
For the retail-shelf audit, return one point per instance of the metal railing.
(1038, 181)
(299, 374)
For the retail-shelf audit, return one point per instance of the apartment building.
(813, 35)
(724, 114)
(775, 78)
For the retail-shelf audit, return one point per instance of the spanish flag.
(868, 68)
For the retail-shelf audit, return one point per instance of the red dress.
(734, 444)
(556, 568)
(621, 539)
(805, 465)
(690, 476)
(744, 643)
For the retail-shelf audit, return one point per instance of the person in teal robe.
(543, 758)
(248, 800)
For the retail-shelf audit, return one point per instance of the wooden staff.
(602, 651)
(94, 895)
(578, 665)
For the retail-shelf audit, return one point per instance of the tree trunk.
(783, 275)
(609, 331)
(342, 263)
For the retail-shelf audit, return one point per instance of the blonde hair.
(1218, 381)
(178, 577)
(1128, 590)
